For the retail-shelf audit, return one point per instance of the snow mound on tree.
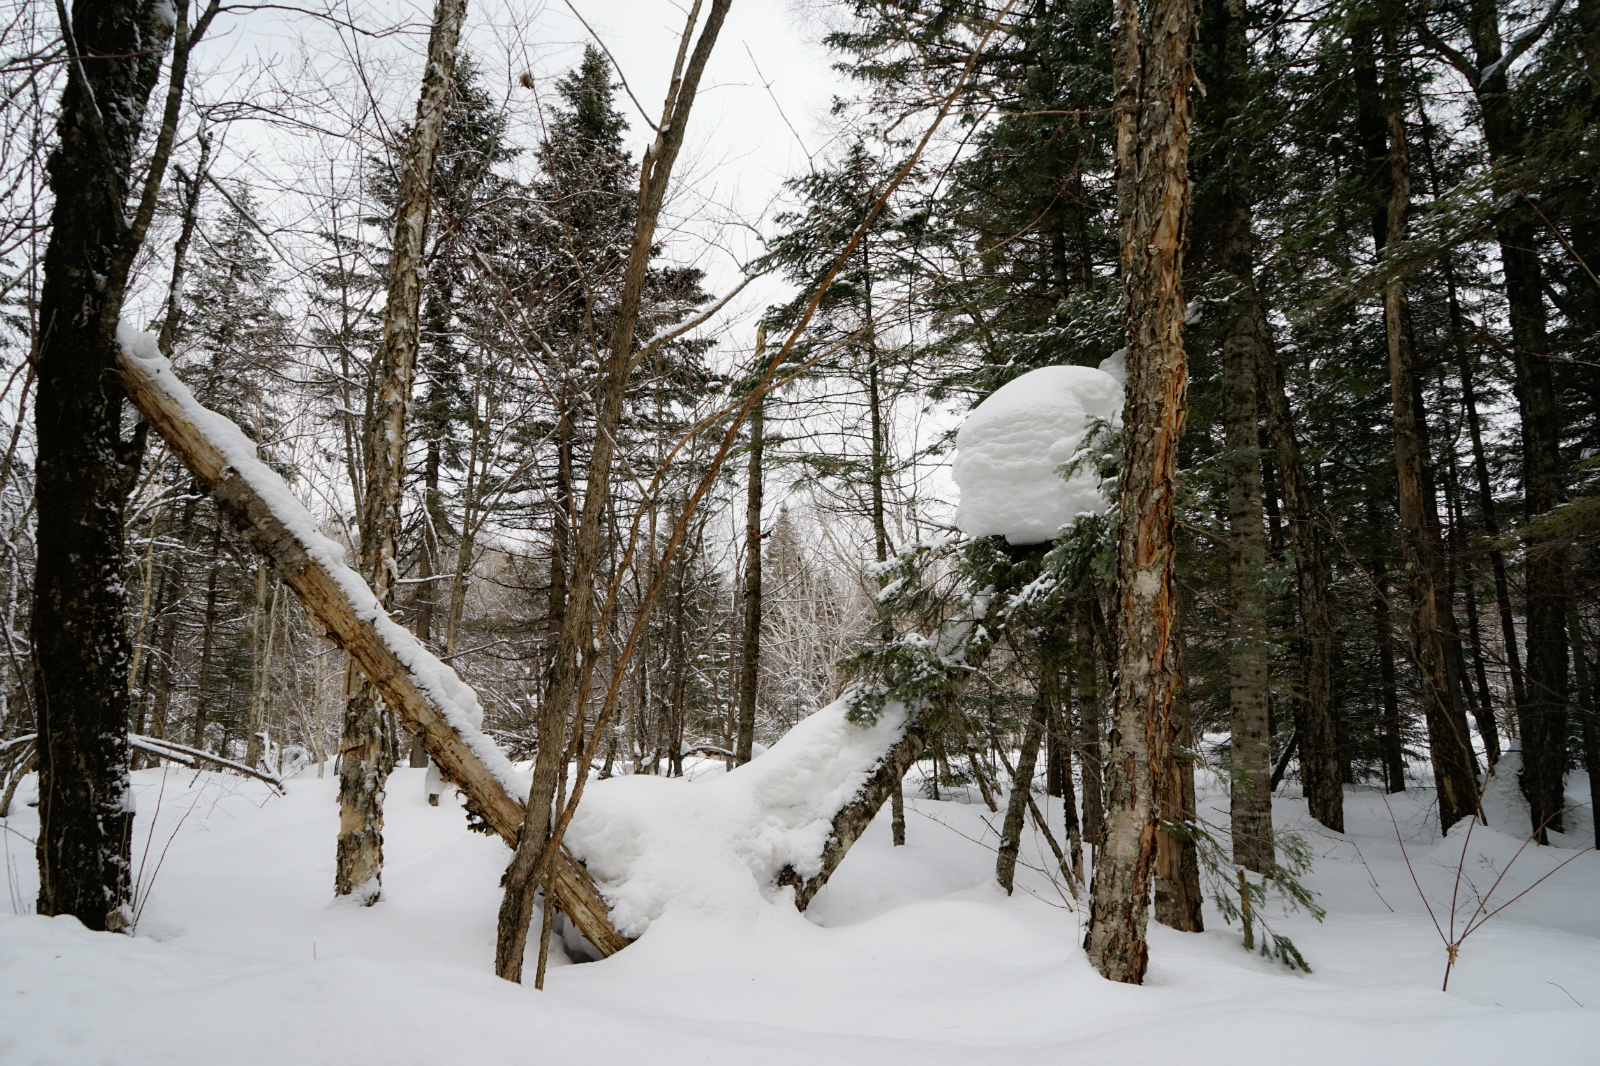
(1012, 445)
(714, 847)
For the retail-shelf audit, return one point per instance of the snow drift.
(715, 847)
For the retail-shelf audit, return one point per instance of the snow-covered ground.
(910, 955)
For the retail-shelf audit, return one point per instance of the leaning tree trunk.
(1153, 67)
(566, 672)
(1453, 762)
(1005, 869)
(423, 692)
(365, 762)
(80, 640)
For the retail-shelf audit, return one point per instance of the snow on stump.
(1010, 450)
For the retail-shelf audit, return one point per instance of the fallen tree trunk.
(854, 817)
(430, 699)
(885, 779)
(193, 758)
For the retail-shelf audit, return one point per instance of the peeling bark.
(1153, 69)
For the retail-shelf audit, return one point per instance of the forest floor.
(910, 955)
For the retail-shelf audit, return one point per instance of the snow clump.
(1012, 445)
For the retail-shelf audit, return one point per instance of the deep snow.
(909, 955)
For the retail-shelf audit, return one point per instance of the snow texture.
(455, 700)
(911, 956)
(715, 847)
(1010, 449)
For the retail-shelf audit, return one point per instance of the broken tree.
(430, 699)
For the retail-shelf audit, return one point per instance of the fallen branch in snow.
(1480, 914)
(430, 699)
(854, 817)
(193, 757)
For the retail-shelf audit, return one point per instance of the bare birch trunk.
(365, 763)
(577, 638)
(1153, 68)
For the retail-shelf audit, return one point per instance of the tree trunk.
(80, 641)
(1005, 869)
(1179, 901)
(1394, 762)
(1542, 713)
(1153, 68)
(428, 697)
(1245, 351)
(1088, 735)
(1582, 667)
(750, 657)
(365, 764)
(1454, 765)
(577, 639)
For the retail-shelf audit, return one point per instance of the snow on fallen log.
(783, 821)
(430, 699)
(728, 844)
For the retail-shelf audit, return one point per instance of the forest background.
(1386, 506)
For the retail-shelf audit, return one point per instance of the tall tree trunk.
(880, 530)
(1179, 900)
(750, 656)
(80, 641)
(1491, 524)
(1244, 353)
(1153, 66)
(208, 641)
(365, 764)
(1483, 705)
(1088, 738)
(1583, 667)
(1454, 765)
(1542, 713)
(567, 670)
(1394, 763)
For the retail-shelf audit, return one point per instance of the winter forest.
(932, 531)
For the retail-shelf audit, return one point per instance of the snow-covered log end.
(716, 846)
(1010, 450)
(217, 449)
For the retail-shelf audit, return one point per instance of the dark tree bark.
(1542, 711)
(1454, 765)
(1153, 67)
(1088, 734)
(1244, 353)
(1179, 900)
(750, 656)
(1005, 870)
(1394, 763)
(80, 642)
